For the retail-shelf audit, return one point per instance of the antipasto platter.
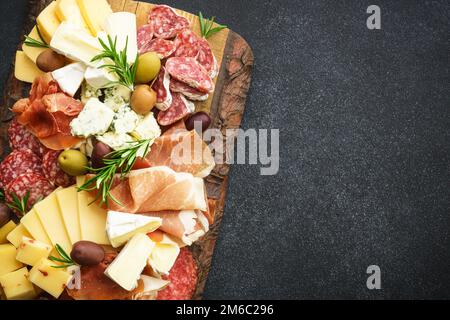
(96, 202)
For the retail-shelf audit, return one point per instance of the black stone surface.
(364, 150)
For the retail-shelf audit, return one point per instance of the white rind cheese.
(70, 77)
(121, 227)
(100, 77)
(95, 119)
(126, 269)
(123, 26)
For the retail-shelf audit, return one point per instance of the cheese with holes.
(95, 13)
(33, 52)
(126, 269)
(48, 21)
(92, 218)
(5, 230)
(68, 10)
(33, 224)
(32, 251)
(121, 227)
(51, 280)
(25, 70)
(70, 77)
(16, 285)
(15, 236)
(51, 219)
(68, 204)
(123, 26)
(8, 262)
(75, 43)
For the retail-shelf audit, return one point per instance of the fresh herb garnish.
(18, 204)
(65, 258)
(119, 65)
(206, 26)
(117, 161)
(36, 43)
(2, 195)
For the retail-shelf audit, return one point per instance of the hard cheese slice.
(92, 218)
(94, 13)
(68, 204)
(25, 69)
(34, 226)
(48, 22)
(68, 10)
(51, 218)
(33, 52)
(15, 236)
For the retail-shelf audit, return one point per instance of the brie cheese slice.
(121, 227)
(164, 255)
(123, 26)
(70, 77)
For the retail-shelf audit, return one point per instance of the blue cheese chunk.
(88, 92)
(118, 96)
(125, 120)
(117, 141)
(147, 128)
(95, 119)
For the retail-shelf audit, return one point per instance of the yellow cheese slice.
(92, 218)
(68, 10)
(51, 219)
(48, 22)
(33, 52)
(15, 236)
(68, 204)
(25, 69)
(6, 230)
(94, 13)
(34, 226)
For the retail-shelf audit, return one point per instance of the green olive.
(148, 67)
(143, 99)
(73, 162)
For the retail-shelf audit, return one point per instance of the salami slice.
(53, 172)
(163, 48)
(19, 162)
(187, 91)
(166, 22)
(192, 46)
(144, 36)
(161, 86)
(20, 138)
(179, 109)
(36, 184)
(183, 278)
(189, 71)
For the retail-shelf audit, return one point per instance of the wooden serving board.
(226, 106)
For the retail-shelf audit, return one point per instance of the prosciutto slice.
(158, 189)
(182, 151)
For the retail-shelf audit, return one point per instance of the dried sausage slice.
(19, 162)
(166, 22)
(161, 86)
(20, 138)
(187, 91)
(144, 36)
(163, 48)
(53, 172)
(179, 109)
(189, 71)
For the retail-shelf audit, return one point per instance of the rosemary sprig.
(2, 195)
(117, 161)
(36, 43)
(19, 204)
(65, 258)
(119, 65)
(206, 26)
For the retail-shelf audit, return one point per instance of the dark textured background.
(365, 127)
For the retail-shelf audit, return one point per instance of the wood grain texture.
(226, 107)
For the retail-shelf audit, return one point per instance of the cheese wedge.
(32, 251)
(33, 52)
(123, 26)
(94, 13)
(51, 219)
(49, 279)
(92, 218)
(48, 21)
(68, 204)
(8, 262)
(25, 69)
(6, 230)
(70, 77)
(15, 236)
(126, 269)
(121, 227)
(33, 224)
(16, 285)
(164, 254)
(68, 10)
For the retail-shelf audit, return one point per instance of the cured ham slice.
(196, 157)
(187, 225)
(158, 189)
(47, 114)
